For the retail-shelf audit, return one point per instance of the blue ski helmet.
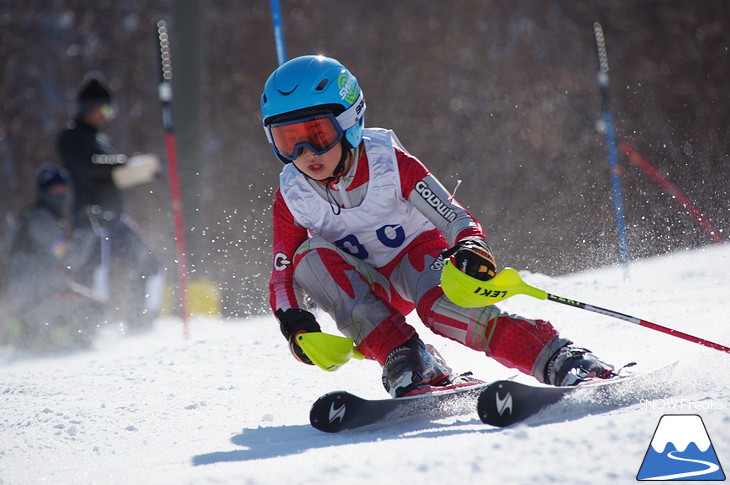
(314, 84)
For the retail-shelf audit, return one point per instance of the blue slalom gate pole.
(278, 32)
(623, 245)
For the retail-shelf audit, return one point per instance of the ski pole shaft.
(638, 321)
(165, 94)
(470, 292)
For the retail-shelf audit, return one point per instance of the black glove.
(292, 322)
(472, 256)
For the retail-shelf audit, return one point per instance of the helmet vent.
(321, 85)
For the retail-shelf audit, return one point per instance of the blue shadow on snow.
(273, 442)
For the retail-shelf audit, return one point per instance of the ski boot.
(572, 365)
(413, 366)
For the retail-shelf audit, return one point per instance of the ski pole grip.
(328, 352)
(470, 292)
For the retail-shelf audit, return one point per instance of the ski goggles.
(108, 111)
(319, 132)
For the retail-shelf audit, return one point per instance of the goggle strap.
(267, 130)
(350, 117)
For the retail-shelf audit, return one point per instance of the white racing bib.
(379, 228)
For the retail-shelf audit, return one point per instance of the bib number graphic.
(351, 245)
(389, 235)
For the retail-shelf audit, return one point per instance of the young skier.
(362, 227)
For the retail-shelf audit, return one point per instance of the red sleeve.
(411, 171)
(287, 237)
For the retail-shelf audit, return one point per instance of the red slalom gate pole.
(636, 158)
(177, 214)
(165, 94)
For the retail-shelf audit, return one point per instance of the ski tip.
(507, 402)
(328, 412)
(335, 411)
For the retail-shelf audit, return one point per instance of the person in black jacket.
(98, 205)
(51, 310)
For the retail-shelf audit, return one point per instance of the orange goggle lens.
(319, 133)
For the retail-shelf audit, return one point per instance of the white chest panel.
(375, 231)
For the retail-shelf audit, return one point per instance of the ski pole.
(165, 94)
(470, 292)
(638, 321)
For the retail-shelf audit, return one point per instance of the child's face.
(319, 167)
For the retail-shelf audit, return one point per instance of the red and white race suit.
(367, 251)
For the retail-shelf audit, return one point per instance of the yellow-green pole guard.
(470, 292)
(328, 352)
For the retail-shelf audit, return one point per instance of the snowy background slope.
(230, 406)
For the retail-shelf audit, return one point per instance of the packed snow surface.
(230, 405)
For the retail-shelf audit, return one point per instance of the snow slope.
(230, 405)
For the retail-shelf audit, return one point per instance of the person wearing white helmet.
(362, 227)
